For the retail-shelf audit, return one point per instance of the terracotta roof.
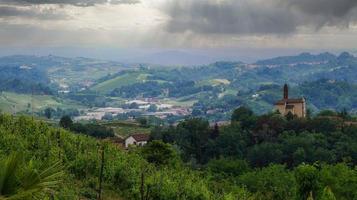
(283, 101)
(140, 137)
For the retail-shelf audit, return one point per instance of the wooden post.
(142, 191)
(59, 143)
(101, 174)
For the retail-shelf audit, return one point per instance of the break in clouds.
(28, 9)
(258, 16)
(70, 2)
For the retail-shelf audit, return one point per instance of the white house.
(137, 140)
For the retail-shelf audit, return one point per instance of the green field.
(12, 102)
(213, 82)
(124, 128)
(187, 101)
(119, 81)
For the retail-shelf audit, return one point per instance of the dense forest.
(256, 157)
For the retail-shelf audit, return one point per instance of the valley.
(95, 87)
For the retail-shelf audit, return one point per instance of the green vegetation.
(127, 78)
(11, 102)
(213, 91)
(256, 157)
(20, 180)
(125, 128)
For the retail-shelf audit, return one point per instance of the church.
(295, 106)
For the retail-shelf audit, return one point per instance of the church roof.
(288, 101)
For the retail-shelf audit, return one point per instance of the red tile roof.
(140, 137)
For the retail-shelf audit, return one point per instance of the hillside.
(24, 79)
(212, 90)
(285, 155)
(21, 103)
(62, 72)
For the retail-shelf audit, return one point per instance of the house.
(137, 140)
(294, 106)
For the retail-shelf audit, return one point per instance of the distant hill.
(24, 79)
(175, 58)
(218, 86)
(301, 58)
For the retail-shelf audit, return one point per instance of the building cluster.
(296, 107)
(162, 110)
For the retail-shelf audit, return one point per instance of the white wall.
(131, 141)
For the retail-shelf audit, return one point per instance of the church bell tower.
(286, 91)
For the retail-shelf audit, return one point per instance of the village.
(286, 106)
(143, 107)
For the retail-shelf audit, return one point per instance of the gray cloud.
(43, 14)
(70, 2)
(26, 9)
(333, 8)
(258, 17)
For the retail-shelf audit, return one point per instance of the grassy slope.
(213, 82)
(123, 128)
(89, 147)
(122, 80)
(9, 100)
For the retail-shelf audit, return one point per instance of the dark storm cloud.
(258, 17)
(334, 8)
(319, 13)
(69, 2)
(44, 14)
(24, 8)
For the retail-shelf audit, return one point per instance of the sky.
(221, 28)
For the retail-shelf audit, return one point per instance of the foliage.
(273, 182)
(159, 153)
(295, 159)
(94, 130)
(66, 122)
(20, 180)
(308, 181)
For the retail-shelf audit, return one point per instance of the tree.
(241, 113)
(215, 131)
(244, 116)
(307, 178)
(152, 108)
(142, 121)
(48, 112)
(344, 114)
(133, 106)
(261, 155)
(290, 116)
(66, 122)
(193, 136)
(341, 179)
(274, 182)
(159, 153)
(327, 194)
(328, 113)
(226, 167)
(232, 142)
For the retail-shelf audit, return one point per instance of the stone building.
(294, 106)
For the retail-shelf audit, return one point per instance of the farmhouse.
(294, 106)
(137, 140)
